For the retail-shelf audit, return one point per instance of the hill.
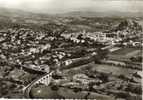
(102, 14)
(73, 21)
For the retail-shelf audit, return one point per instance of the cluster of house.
(81, 81)
(102, 37)
(27, 43)
(133, 43)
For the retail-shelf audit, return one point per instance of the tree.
(103, 53)
(104, 77)
(80, 36)
(55, 88)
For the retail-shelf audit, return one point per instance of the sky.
(62, 6)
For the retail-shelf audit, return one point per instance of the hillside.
(73, 21)
(102, 14)
(128, 26)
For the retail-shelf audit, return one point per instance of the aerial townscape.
(70, 57)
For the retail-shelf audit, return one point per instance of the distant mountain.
(20, 16)
(102, 14)
(14, 13)
(21, 13)
(6, 12)
(74, 21)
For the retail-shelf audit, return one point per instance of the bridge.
(45, 79)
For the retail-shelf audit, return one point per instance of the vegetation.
(136, 59)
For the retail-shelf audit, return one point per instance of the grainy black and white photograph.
(71, 49)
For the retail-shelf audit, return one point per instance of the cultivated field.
(124, 53)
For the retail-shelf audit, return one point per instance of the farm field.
(47, 92)
(114, 70)
(124, 54)
(102, 68)
(124, 51)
